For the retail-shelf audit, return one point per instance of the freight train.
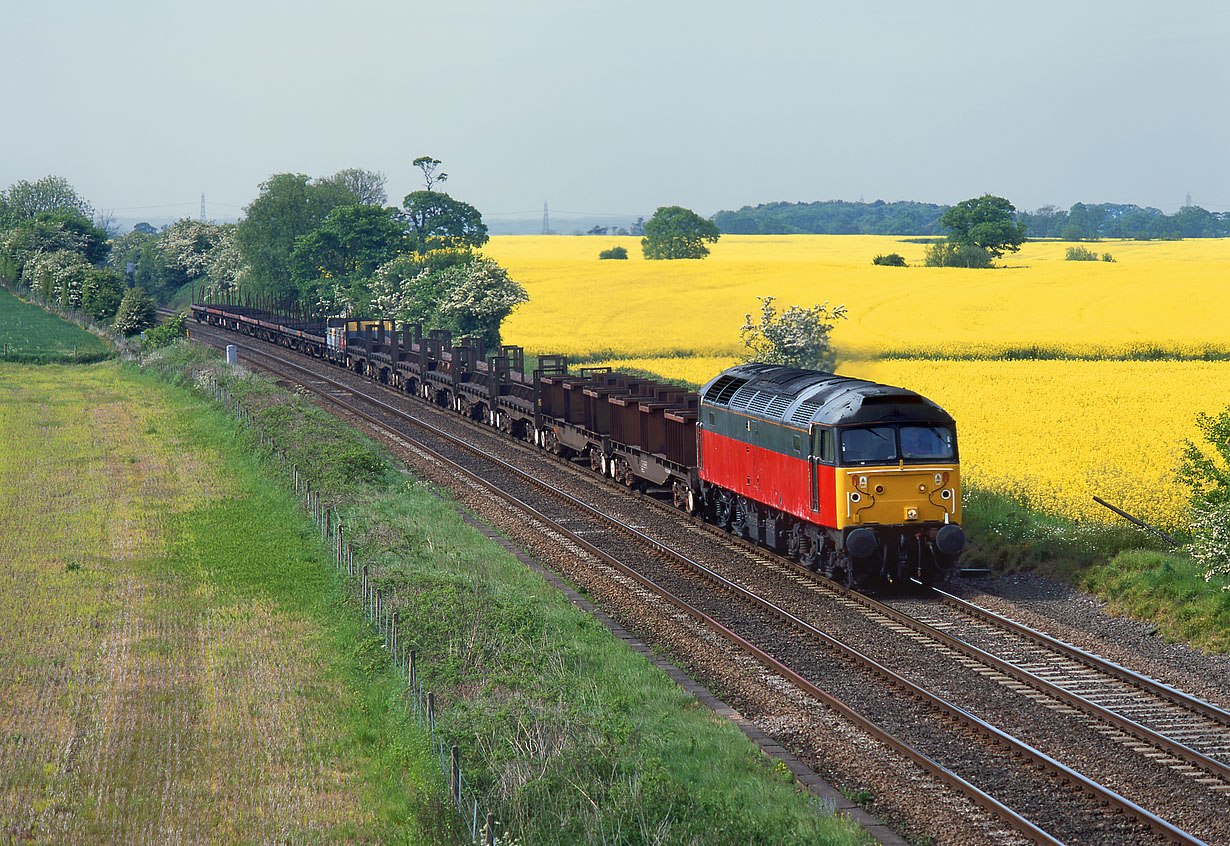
(856, 480)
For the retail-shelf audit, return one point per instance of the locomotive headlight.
(911, 514)
(922, 488)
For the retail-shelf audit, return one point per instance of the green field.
(29, 333)
(178, 657)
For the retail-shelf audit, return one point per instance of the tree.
(127, 249)
(226, 269)
(890, 260)
(477, 298)
(136, 313)
(186, 245)
(442, 222)
(61, 276)
(985, 222)
(351, 243)
(290, 205)
(409, 288)
(1206, 470)
(366, 185)
(102, 293)
(614, 253)
(429, 166)
(798, 337)
(677, 233)
(24, 200)
(145, 228)
(948, 254)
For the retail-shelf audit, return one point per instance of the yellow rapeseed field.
(1172, 295)
(1053, 432)
(1058, 433)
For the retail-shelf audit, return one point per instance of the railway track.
(1003, 761)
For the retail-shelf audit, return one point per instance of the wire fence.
(405, 661)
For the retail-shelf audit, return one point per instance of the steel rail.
(1156, 823)
(1120, 672)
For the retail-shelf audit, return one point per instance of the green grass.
(1168, 590)
(263, 547)
(33, 334)
(569, 736)
(1010, 536)
(240, 699)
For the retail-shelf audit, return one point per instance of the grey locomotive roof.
(802, 397)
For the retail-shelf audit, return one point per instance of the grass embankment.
(29, 333)
(569, 736)
(179, 659)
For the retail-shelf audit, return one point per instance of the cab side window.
(823, 447)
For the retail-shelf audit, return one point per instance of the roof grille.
(723, 389)
(778, 405)
(805, 411)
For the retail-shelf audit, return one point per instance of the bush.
(614, 253)
(1080, 254)
(136, 313)
(1107, 257)
(1206, 470)
(165, 334)
(949, 254)
(890, 260)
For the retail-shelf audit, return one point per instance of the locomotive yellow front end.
(898, 497)
(904, 495)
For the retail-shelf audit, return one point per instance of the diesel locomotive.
(854, 479)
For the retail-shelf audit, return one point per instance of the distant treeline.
(1080, 223)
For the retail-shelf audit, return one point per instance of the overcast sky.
(620, 107)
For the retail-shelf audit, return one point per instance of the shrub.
(890, 260)
(1080, 254)
(1107, 257)
(614, 253)
(136, 312)
(949, 254)
(166, 333)
(1206, 470)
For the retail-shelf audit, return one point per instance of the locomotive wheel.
(723, 507)
(739, 518)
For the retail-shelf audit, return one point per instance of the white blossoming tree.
(186, 245)
(224, 264)
(477, 298)
(798, 337)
